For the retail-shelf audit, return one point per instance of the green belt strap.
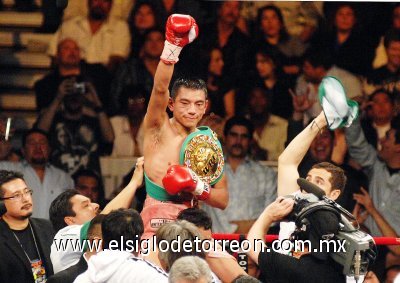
(157, 192)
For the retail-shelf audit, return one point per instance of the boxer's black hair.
(191, 83)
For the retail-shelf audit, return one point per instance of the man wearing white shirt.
(46, 180)
(102, 39)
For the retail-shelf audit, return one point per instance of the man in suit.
(24, 241)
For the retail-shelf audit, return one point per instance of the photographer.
(68, 65)
(78, 126)
(303, 266)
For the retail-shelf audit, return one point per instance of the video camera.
(359, 247)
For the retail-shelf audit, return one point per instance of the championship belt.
(202, 153)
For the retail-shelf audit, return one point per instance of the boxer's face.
(188, 106)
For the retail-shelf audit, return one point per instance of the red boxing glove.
(179, 31)
(180, 178)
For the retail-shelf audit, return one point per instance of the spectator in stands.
(273, 38)
(275, 83)
(45, 180)
(382, 168)
(24, 241)
(221, 263)
(221, 98)
(137, 71)
(79, 128)
(165, 8)
(94, 235)
(365, 207)
(380, 52)
(245, 205)
(318, 64)
(350, 47)
(388, 76)
(89, 184)
(380, 115)
(71, 212)
(69, 67)
(128, 128)
(190, 269)
(270, 131)
(235, 45)
(101, 39)
(141, 20)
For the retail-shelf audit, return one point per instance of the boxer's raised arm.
(179, 31)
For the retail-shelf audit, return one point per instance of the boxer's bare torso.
(161, 149)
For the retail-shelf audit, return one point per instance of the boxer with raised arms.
(182, 162)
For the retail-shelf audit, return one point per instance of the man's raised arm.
(179, 31)
(294, 153)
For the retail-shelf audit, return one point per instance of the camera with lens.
(79, 88)
(359, 247)
(300, 203)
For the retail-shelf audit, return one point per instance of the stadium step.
(21, 19)
(18, 100)
(30, 40)
(24, 59)
(20, 78)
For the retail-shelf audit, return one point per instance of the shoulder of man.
(42, 224)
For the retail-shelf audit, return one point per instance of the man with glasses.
(251, 185)
(24, 241)
(45, 180)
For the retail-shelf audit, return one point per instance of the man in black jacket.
(24, 241)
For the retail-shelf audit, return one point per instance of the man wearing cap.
(305, 266)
